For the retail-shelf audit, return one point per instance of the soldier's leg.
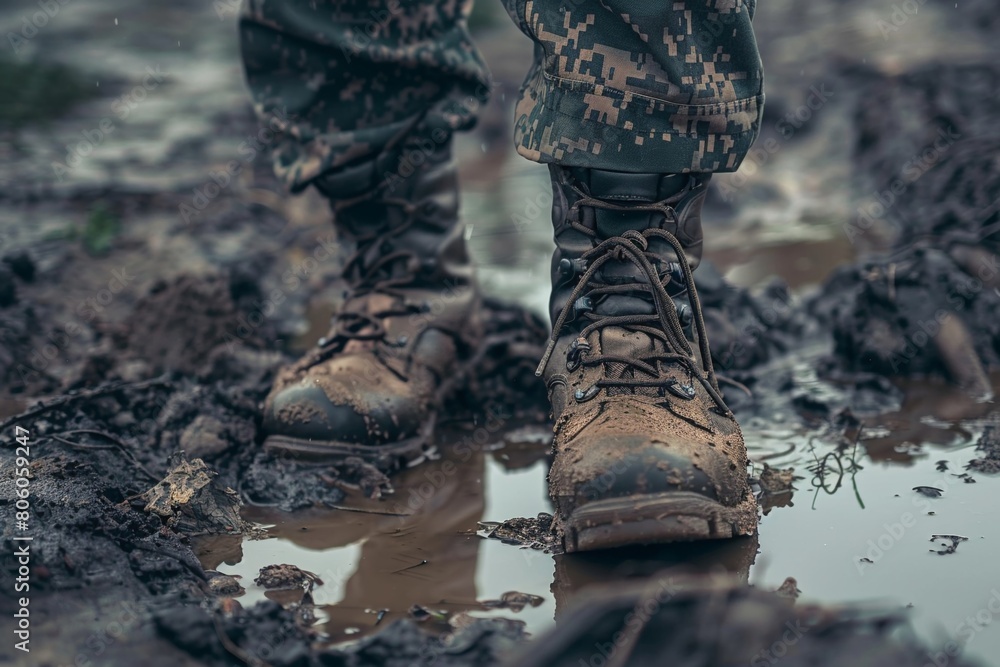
(633, 86)
(634, 104)
(366, 95)
(348, 82)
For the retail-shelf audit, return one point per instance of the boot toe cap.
(306, 411)
(625, 465)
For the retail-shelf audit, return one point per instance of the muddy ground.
(852, 288)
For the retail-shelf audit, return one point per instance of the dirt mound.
(917, 313)
(180, 322)
(926, 147)
(748, 328)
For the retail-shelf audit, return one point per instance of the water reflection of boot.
(426, 556)
(575, 573)
(214, 550)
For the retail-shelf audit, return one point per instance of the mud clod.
(484, 642)
(777, 482)
(277, 577)
(355, 474)
(177, 325)
(191, 500)
(989, 449)
(748, 621)
(287, 484)
(515, 601)
(788, 589)
(530, 533)
(223, 584)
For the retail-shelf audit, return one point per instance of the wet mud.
(138, 340)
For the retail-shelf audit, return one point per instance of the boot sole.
(392, 456)
(677, 516)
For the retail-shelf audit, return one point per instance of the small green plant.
(102, 227)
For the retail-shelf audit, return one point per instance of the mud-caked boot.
(402, 339)
(645, 448)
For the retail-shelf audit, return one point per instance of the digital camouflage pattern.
(622, 85)
(351, 81)
(639, 86)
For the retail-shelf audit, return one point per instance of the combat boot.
(645, 448)
(402, 339)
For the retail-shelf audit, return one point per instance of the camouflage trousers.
(622, 85)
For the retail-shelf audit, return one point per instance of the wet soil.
(137, 340)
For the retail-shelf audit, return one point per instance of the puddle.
(420, 546)
(860, 505)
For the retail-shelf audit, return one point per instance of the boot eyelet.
(571, 268)
(684, 391)
(583, 305)
(582, 396)
(684, 314)
(575, 352)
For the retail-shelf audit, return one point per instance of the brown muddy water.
(854, 530)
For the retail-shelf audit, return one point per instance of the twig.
(115, 444)
(367, 511)
(415, 565)
(196, 571)
(65, 399)
(854, 464)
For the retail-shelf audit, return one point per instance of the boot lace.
(391, 271)
(663, 325)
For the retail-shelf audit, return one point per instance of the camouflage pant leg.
(639, 85)
(618, 84)
(346, 83)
